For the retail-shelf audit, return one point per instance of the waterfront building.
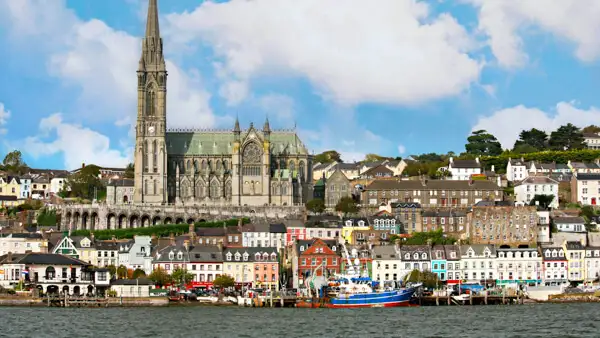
(204, 262)
(137, 254)
(414, 257)
(518, 266)
(555, 265)
(307, 255)
(250, 267)
(453, 266)
(386, 263)
(53, 273)
(438, 262)
(266, 269)
(20, 243)
(592, 263)
(478, 263)
(575, 253)
(139, 287)
(107, 253)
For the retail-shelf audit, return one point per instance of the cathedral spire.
(152, 28)
(267, 126)
(236, 128)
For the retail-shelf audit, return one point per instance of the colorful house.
(10, 186)
(311, 254)
(351, 224)
(439, 263)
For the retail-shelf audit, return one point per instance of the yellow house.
(10, 186)
(239, 264)
(575, 253)
(9, 201)
(79, 247)
(351, 225)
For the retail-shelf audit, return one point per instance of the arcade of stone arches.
(91, 221)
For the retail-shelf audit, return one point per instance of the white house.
(478, 262)
(264, 235)
(414, 257)
(22, 243)
(136, 254)
(58, 183)
(517, 169)
(107, 253)
(592, 263)
(569, 224)
(386, 263)
(53, 273)
(543, 228)
(585, 188)
(555, 264)
(132, 287)
(592, 140)
(521, 265)
(461, 170)
(526, 189)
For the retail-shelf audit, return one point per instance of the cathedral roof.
(198, 143)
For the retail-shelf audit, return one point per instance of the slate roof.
(188, 255)
(221, 142)
(106, 245)
(385, 252)
(431, 185)
(121, 183)
(537, 180)
(332, 244)
(574, 246)
(438, 249)
(569, 220)
(277, 228)
(449, 250)
(550, 258)
(347, 166)
(412, 249)
(465, 164)
(444, 213)
(587, 177)
(479, 249)
(251, 251)
(26, 235)
(42, 259)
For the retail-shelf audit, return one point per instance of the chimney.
(493, 168)
(477, 159)
(172, 239)
(9, 257)
(220, 246)
(92, 237)
(186, 244)
(451, 159)
(191, 229)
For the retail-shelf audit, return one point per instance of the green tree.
(13, 162)
(223, 281)
(122, 272)
(86, 183)
(375, 158)
(112, 269)
(137, 273)
(347, 205)
(129, 171)
(47, 217)
(567, 137)
(160, 277)
(534, 138)
(524, 149)
(315, 205)
(434, 237)
(428, 278)
(591, 129)
(543, 200)
(182, 276)
(327, 157)
(483, 143)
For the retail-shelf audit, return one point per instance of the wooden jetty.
(483, 298)
(67, 301)
(274, 299)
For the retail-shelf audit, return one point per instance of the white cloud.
(102, 62)
(401, 149)
(76, 143)
(278, 105)
(354, 51)
(4, 116)
(573, 20)
(507, 124)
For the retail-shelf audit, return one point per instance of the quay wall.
(112, 302)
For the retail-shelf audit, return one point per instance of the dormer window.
(179, 256)
(407, 256)
(547, 253)
(245, 256)
(273, 256)
(171, 255)
(534, 254)
(361, 223)
(334, 248)
(237, 256)
(423, 256)
(301, 248)
(561, 253)
(257, 257)
(228, 256)
(416, 256)
(265, 256)
(453, 254)
(348, 223)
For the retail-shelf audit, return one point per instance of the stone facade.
(504, 225)
(120, 192)
(206, 167)
(336, 187)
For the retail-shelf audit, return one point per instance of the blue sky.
(393, 77)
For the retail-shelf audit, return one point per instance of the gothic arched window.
(214, 190)
(228, 190)
(155, 188)
(155, 156)
(292, 166)
(150, 103)
(282, 164)
(301, 172)
(145, 157)
(251, 160)
(284, 189)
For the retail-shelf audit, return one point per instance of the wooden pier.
(66, 301)
(476, 299)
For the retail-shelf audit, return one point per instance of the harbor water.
(530, 320)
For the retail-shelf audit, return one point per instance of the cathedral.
(253, 166)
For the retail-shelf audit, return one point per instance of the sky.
(392, 77)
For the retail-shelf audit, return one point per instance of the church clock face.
(151, 130)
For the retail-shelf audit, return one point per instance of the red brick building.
(314, 252)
